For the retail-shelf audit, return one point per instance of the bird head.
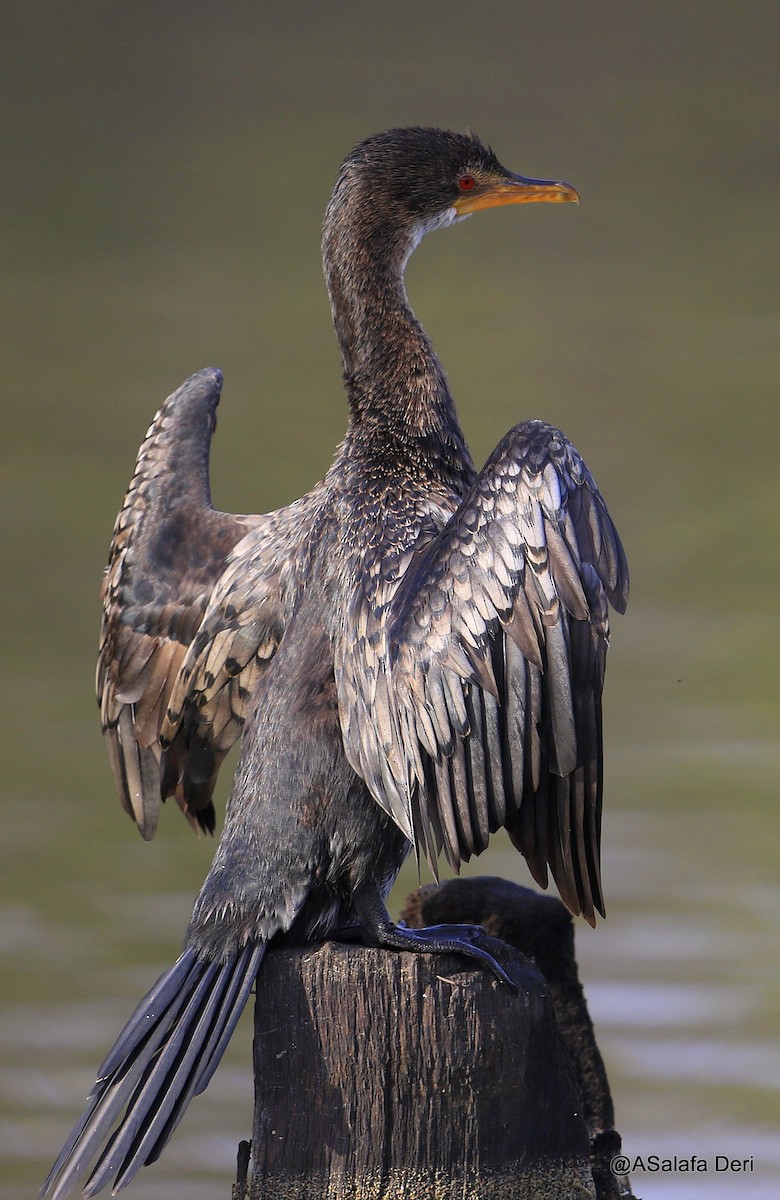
(406, 182)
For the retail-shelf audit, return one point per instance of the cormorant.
(413, 654)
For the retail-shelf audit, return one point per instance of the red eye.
(466, 183)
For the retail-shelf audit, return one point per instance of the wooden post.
(381, 1076)
(541, 927)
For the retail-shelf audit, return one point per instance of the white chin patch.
(448, 217)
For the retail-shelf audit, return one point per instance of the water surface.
(164, 177)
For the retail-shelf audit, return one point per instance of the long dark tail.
(165, 1055)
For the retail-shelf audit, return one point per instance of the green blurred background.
(164, 171)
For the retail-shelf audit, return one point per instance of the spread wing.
(169, 550)
(471, 688)
(240, 631)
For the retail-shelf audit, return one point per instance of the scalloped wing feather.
(491, 665)
(170, 551)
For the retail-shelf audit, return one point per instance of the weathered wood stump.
(541, 927)
(382, 1076)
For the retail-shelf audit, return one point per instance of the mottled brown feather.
(526, 562)
(165, 640)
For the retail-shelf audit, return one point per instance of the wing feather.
(491, 648)
(491, 744)
(176, 666)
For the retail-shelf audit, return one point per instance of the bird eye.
(466, 183)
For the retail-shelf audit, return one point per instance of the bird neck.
(400, 405)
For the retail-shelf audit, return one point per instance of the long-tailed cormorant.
(413, 654)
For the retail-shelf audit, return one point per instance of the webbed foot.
(378, 930)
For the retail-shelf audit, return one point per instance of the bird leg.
(377, 929)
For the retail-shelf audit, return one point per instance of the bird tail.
(165, 1055)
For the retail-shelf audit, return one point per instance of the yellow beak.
(515, 190)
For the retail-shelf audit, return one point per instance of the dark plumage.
(413, 652)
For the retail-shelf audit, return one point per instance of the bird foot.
(439, 939)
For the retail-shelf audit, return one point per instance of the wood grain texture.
(396, 1075)
(541, 928)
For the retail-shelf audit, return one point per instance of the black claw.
(443, 939)
(462, 932)
(378, 930)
